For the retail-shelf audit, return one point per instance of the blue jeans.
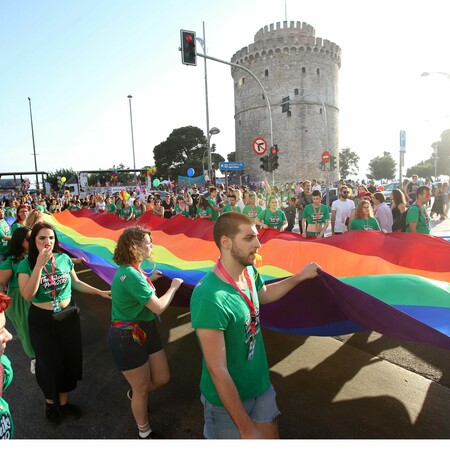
(219, 425)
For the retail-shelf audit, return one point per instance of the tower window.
(318, 71)
(266, 73)
(303, 69)
(320, 111)
(295, 91)
(263, 97)
(241, 81)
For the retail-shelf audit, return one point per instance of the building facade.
(289, 61)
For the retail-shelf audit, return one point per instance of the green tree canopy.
(348, 163)
(382, 167)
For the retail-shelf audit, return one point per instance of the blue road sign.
(235, 165)
(402, 141)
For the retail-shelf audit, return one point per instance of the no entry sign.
(326, 156)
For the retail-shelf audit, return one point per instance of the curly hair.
(359, 214)
(5, 301)
(128, 249)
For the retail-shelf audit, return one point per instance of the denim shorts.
(128, 354)
(219, 425)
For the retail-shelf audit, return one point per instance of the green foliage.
(348, 163)
(382, 167)
(183, 149)
(424, 169)
(52, 177)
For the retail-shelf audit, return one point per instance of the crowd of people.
(37, 279)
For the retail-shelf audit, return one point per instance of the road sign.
(402, 141)
(234, 165)
(259, 146)
(326, 156)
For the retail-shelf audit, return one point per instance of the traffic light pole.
(260, 85)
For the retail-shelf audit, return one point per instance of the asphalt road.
(361, 386)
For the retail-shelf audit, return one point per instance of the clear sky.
(78, 60)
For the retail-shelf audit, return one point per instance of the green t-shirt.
(228, 208)
(130, 292)
(272, 219)
(111, 208)
(183, 212)
(252, 212)
(212, 202)
(417, 214)
(6, 422)
(61, 276)
(137, 211)
(204, 212)
(12, 265)
(4, 231)
(365, 224)
(316, 215)
(10, 212)
(125, 213)
(217, 305)
(14, 227)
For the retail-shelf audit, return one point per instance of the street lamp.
(132, 135)
(34, 147)
(213, 130)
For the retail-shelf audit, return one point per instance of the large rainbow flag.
(396, 284)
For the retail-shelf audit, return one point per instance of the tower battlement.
(287, 39)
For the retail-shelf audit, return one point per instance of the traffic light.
(264, 163)
(333, 162)
(322, 166)
(188, 48)
(273, 164)
(285, 104)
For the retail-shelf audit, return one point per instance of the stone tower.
(289, 61)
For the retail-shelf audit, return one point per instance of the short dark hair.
(316, 193)
(228, 225)
(422, 188)
(379, 196)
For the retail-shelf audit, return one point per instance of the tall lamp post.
(132, 135)
(34, 147)
(212, 131)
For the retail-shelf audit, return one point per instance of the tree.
(52, 177)
(183, 149)
(424, 169)
(348, 163)
(382, 167)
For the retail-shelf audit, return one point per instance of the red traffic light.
(188, 38)
(274, 150)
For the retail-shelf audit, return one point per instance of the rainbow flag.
(396, 284)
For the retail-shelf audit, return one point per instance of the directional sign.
(259, 146)
(326, 156)
(402, 141)
(235, 165)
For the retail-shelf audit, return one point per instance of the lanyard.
(243, 295)
(144, 275)
(51, 279)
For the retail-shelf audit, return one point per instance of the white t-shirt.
(343, 211)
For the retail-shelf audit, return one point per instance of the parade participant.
(272, 216)
(138, 208)
(181, 207)
(6, 372)
(33, 218)
(341, 212)
(18, 311)
(46, 279)
(22, 214)
(382, 212)
(398, 203)
(252, 209)
(5, 235)
(204, 210)
(212, 200)
(110, 207)
(364, 218)
(231, 205)
(126, 211)
(316, 217)
(417, 219)
(100, 205)
(133, 337)
(158, 209)
(236, 392)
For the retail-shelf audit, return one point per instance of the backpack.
(400, 222)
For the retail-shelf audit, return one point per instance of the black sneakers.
(69, 411)
(52, 413)
(55, 413)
